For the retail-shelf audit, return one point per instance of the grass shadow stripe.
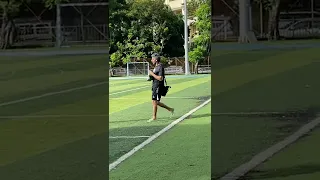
(52, 93)
(80, 159)
(54, 116)
(61, 68)
(120, 92)
(133, 87)
(122, 104)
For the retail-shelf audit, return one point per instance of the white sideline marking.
(127, 137)
(54, 116)
(268, 153)
(153, 137)
(52, 93)
(128, 90)
(161, 97)
(248, 113)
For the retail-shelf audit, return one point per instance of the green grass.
(298, 161)
(260, 81)
(129, 113)
(171, 156)
(44, 147)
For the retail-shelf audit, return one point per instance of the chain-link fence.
(75, 22)
(297, 19)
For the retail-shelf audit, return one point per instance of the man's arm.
(160, 77)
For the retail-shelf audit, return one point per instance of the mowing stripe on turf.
(153, 137)
(248, 72)
(122, 104)
(52, 93)
(128, 90)
(248, 113)
(268, 153)
(54, 116)
(44, 82)
(127, 137)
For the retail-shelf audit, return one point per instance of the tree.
(119, 22)
(9, 9)
(193, 5)
(200, 47)
(144, 27)
(273, 7)
(158, 24)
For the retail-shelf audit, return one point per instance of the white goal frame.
(148, 67)
(59, 37)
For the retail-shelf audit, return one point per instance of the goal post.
(79, 23)
(137, 69)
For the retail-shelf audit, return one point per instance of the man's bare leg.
(165, 106)
(155, 109)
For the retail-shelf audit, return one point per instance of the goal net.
(137, 69)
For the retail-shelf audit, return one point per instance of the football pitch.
(183, 152)
(53, 117)
(260, 97)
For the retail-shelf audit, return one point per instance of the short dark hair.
(156, 56)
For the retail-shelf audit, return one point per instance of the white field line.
(52, 93)
(153, 137)
(161, 98)
(268, 153)
(127, 137)
(54, 116)
(128, 90)
(247, 113)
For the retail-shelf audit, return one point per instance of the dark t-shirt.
(159, 71)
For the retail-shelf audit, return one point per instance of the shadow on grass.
(165, 119)
(199, 116)
(284, 172)
(282, 125)
(291, 118)
(82, 159)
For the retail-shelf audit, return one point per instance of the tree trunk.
(196, 67)
(3, 26)
(273, 29)
(7, 32)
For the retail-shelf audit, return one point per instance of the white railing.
(173, 70)
(204, 69)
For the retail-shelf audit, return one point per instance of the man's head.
(155, 58)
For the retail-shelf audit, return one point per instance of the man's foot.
(172, 111)
(150, 120)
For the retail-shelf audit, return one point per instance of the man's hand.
(159, 78)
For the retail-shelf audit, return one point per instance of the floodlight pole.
(244, 20)
(186, 38)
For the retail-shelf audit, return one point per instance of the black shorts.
(156, 94)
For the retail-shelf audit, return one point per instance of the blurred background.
(297, 19)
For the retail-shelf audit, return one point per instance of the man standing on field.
(157, 76)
